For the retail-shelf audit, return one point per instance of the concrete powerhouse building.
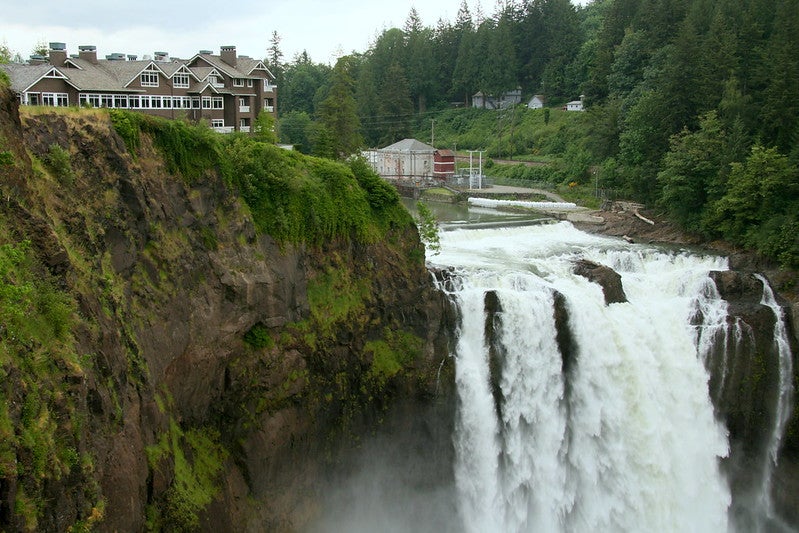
(412, 159)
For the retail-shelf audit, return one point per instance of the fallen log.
(642, 217)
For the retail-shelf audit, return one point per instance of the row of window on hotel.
(125, 101)
(150, 78)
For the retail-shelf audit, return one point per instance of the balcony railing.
(269, 108)
(224, 129)
(244, 129)
(268, 88)
(244, 109)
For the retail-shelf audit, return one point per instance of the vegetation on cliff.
(41, 416)
(293, 198)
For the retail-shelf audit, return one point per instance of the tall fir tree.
(338, 117)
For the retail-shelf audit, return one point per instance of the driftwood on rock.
(642, 217)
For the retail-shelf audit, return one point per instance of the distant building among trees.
(536, 102)
(502, 101)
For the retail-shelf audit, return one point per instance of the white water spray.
(784, 399)
(626, 440)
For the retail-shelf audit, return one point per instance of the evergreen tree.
(418, 60)
(274, 56)
(396, 106)
(780, 113)
(694, 171)
(302, 81)
(465, 75)
(340, 126)
(295, 128)
(562, 43)
(499, 75)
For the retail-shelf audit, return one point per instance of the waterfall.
(622, 438)
(784, 398)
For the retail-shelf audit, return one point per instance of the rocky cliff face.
(745, 386)
(220, 372)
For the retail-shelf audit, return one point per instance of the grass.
(392, 353)
(198, 458)
(335, 295)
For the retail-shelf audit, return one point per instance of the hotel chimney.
(89, 53)
(229, 55)
(58, 54)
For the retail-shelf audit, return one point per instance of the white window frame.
(217, 123)
(217, 102)
(206, 102)
(55, 99)
(249, 83)
(149, 77)
(238, 82)
(180, 80)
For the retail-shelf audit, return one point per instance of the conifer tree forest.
(692, 106)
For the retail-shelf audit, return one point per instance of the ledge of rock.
(606, 277)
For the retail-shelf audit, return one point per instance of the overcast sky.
(325, 28)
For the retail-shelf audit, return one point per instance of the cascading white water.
(626, 441)
(784, 398)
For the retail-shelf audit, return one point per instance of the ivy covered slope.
(192, 325)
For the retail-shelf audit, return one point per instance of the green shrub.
(258, 337)
(58, 162)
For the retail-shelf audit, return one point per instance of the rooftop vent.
(87, 48)
(115, 57)
(206, 52)
(58, 46)
(132, 57)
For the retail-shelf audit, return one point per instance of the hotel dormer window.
(149, 77)
(180, 81)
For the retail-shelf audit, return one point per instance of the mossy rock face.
(201, 335)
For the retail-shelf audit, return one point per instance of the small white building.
(406, 159)
(502, 101)
(536, 102)
(575, 105)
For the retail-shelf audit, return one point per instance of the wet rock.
(606, 277)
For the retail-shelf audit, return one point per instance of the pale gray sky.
(325, 28)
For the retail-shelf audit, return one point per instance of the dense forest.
(691, 106)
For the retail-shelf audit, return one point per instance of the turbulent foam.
(627, 440)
